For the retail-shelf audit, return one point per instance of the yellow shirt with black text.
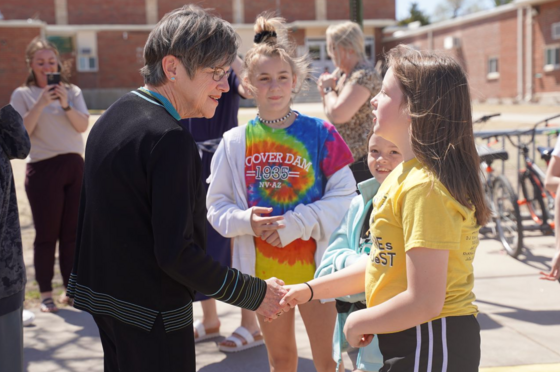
(414, 209)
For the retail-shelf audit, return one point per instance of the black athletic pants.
(449, 344)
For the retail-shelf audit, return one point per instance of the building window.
(63, 43)
(552, 58)
(87, 51)
(556, 30)
(370, 49)
(493, 72)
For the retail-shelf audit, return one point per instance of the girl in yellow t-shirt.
(419, 276)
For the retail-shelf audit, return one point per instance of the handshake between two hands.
(281, 298)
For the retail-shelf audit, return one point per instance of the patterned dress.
(356, 130)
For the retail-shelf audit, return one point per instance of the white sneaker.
(28, 317)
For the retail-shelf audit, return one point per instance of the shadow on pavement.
(251, 360)
(540, 317)
(538, 262)
(487, 323)
(254, 359)
(49, 343)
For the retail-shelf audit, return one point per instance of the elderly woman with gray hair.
(347, 91)
(140, 251)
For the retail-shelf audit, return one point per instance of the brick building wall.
(378, 9)
(499, 34)
(13, 69)
(222, 8)
(338, 9)
(542, 37)
(24, 9)
(88, 12)
(292, 10)
(119, 61)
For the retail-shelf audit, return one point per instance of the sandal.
(201, 333)
(48, 306)
(242, 339)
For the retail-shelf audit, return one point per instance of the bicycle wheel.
(533, 199)
(508, 219)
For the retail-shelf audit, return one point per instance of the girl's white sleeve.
(224, 214)
(319, 220)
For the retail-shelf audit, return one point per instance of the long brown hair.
(437, 97)
(37, 44)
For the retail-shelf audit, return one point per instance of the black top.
(141, 234)
(14, 144)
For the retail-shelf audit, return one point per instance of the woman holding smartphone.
(55, 116)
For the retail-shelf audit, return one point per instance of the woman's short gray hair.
(194, 36)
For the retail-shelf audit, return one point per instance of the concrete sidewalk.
(519, 317)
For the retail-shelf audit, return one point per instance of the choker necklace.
(275, 120)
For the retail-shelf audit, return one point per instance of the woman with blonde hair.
(280, 186)
(347, 91)
(55, 116)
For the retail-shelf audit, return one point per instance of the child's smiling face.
(383, 157)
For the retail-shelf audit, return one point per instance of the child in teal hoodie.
(349, 242)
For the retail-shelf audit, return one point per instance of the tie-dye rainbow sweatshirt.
(284, 168)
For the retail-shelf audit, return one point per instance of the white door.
(320, 60)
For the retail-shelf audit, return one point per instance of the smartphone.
(53, 78)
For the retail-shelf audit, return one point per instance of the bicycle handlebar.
(485, 118)
(532, 131)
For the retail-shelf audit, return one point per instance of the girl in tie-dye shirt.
(280, 185)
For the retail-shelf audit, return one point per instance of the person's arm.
(78, 119)
(554, 272)
(340, 108)
(349, 280)
(237, 66)
(552, 179)
(421, 301)
(177, 214)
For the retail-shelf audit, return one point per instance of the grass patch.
(32, 295)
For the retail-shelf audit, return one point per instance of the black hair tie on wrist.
(311, 289)
(259, 38)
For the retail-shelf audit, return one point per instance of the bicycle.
(539, 201)
(501, 198)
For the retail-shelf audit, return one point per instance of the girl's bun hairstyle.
(271, 40)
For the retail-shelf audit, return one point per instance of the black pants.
(449, 344)
(53, 188)
(130, 349)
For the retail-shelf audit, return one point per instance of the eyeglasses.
(219, 73)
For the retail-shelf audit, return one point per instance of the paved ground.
(519, 314)
(519, 317)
